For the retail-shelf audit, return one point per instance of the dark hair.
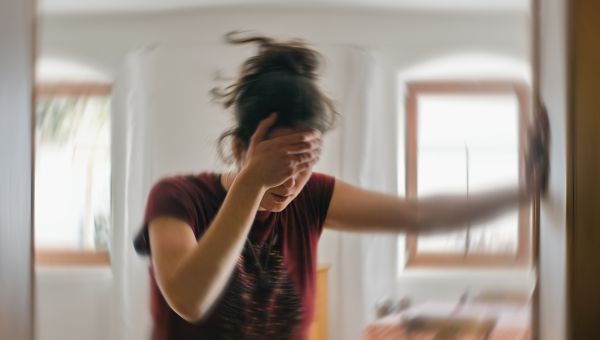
(280, 78)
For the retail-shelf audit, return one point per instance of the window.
(72, 173)
(464, 137)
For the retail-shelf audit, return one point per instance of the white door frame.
(16, 164)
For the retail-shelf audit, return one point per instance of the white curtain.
(164, 123)
(369, 159)
(130, 152)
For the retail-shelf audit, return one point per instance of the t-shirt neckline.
(261, 215)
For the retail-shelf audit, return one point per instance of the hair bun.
(280, 77)
(292, 56)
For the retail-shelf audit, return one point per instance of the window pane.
(468, 143)
(499, 236)
(441, 168)
(433, 180)
(482, 120)
(443, 243)
(72, 172)
(492, 167)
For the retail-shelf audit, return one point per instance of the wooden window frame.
(68, 257)
(414, 90)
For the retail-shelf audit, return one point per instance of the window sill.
(464, 272)
(72, 258)
(57, 276)
(475, 262)
(439, 284)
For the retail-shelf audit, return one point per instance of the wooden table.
(470, 321)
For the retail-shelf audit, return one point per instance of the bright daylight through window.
(72, 171)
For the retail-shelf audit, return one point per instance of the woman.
(234, 254)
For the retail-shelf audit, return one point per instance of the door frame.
(17, 58)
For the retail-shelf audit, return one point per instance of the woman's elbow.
(191, 309)
(189, 312)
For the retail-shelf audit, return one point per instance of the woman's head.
(280, 78)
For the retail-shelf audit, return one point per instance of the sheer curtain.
(369, 159)
(130, 150)
(164, 124)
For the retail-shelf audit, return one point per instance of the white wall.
(403, 40)
(449, 285)
(407, 37)
(73, 303)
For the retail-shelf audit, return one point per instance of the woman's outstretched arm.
(359, 210)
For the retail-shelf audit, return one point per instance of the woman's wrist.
(247, 180)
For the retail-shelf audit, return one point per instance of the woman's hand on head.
(272, 161)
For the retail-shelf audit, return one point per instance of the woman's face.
(277, 198)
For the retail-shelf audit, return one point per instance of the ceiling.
(116, 6)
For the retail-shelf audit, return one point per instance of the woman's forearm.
(201, 276)
(440, 213)
(359, 210)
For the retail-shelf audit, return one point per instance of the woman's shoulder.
(318, 185)
(319, 179)
(185, 196)
(315, 197)
(206, 179)
(203, 186)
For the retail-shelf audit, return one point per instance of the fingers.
(543, 122)
(308, 157)
(536, 154)
(263, 128)
(297, 163)
(298, 137)
(537, 151)
(303, 147)
(307, 165)
(299, 151)
(304, 162)
(537, 166)
(303, 167)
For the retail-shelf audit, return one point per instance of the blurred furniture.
(389, 306)
(319, 329)
(452, 321)
(445, 328)
(502, 296)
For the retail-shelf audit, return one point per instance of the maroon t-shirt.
(271, 292)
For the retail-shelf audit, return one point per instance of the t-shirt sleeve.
(167, 198)
(321, 190)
